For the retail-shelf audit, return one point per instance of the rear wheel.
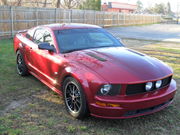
(21, 66)
(74, 98)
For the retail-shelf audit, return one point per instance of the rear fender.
(19, 42)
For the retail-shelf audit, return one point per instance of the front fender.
(88, 80)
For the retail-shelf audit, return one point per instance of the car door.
(47, 64)
(32, 53)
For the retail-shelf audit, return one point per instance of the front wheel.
(21, 66)
(74, 98)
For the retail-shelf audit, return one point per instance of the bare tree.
(4, 2)
(19, 2)
(45, 3)
(69, 4)
(58, 4)
(37, 3)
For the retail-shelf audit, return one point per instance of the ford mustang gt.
(93, 71)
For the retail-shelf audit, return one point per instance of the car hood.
(122, 65)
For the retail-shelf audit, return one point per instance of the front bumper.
(134, 105)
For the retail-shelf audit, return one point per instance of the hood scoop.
(96, 57)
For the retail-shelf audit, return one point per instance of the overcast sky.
(147, 3)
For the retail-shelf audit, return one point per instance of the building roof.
(120, 5)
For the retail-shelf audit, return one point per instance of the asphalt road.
(157, 32)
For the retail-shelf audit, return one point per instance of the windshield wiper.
(68, 51)
(72, 50)
(102, 46)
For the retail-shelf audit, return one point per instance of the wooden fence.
(13, 19)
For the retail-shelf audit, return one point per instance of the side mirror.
(46, 46)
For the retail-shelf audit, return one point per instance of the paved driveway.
(160, 32)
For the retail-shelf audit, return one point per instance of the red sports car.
(93, 71)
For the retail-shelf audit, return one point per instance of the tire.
(74, 98)
(21, 67)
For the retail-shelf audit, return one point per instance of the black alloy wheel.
(21, 66)
(74, 98)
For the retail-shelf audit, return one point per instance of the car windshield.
(70, 40)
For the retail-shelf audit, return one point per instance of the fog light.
(148, 86)
(105, 89)
(158, 84)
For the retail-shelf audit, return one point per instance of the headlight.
(110, 90)
(105, 89)
(148, 86)
(158, 84)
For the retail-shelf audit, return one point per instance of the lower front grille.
(140, 88)
(150, 109)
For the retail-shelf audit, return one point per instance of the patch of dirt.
(15, 104)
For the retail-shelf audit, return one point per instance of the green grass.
(169, 50)
(41, 112)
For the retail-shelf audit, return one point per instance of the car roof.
(58, 26)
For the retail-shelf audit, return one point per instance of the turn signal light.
(107, 104)
(101, 104)
(113, 105)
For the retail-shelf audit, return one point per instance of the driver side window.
(42, 35)
(38, 36)
(47, 38)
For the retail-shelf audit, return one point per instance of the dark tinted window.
(78, 39)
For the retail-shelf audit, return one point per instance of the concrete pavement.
(156, 32)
